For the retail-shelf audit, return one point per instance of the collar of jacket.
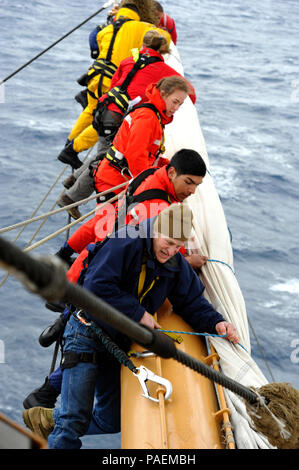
(151, 52)
(166, 269)
(154, 97)
(127, 13)
(163, 177)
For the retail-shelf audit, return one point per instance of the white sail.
(212, 238)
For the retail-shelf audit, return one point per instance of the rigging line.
(261, 350)
(214, 261)
(34, 212)
(108, 3)
(200, 334)
(58, 232)
(61, 209)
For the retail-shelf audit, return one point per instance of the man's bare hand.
(225, 328)
(148, 320)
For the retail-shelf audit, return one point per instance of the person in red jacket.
(136, 147)
(172, 183)
(166, 22)
(139, 141)
(108, 117)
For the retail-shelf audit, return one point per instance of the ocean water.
(242, 57)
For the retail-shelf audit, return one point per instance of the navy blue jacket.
(113, 274)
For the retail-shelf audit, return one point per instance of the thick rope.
(46, 279)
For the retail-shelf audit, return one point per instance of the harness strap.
(71, 359)
(119, 95)
(116, 27)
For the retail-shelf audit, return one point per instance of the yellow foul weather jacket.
(129, 36)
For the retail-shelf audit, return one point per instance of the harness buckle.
(143, 375)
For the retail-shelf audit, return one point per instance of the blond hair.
(155, 40)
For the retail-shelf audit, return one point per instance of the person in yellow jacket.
(115, 42)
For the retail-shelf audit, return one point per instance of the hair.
(159, 7)
(172, 83)
(188, 162)
(154, 40)
(145, 8)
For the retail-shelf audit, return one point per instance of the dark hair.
(159, 7)
(132, 6)
(188, 162)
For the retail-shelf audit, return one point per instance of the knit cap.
(175, 222)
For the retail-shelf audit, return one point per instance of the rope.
(214, 261)
(35, 211)
(112, 347)
(61, 209)
(261, 351)
(75, 222)
(108, 3)
(47, 279)
(200, 334)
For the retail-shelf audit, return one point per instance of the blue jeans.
(81, 385)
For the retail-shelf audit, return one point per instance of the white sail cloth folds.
(212, 239)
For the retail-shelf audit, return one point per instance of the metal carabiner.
(144, 374)
(81, 318)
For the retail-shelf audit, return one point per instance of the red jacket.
(145, 210)
(152, 207)
(152, 73)
(138, 140)
(168, 23)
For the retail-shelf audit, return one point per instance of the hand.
(148, 320)
(196, 261)
(224, 327)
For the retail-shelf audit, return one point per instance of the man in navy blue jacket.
(134, 271)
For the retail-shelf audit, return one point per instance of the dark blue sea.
(242, 57)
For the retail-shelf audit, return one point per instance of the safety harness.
(120, 97)
(130, 199)
(103, 66)
(117, 160)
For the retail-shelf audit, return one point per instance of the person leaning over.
(166, 22)
(115, 43)
(128, 86)
(114, 274)
(137, 145)
(146, 196)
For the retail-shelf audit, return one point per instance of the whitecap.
(291, 286)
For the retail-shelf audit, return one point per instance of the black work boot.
(44, 396)
(69, 156)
